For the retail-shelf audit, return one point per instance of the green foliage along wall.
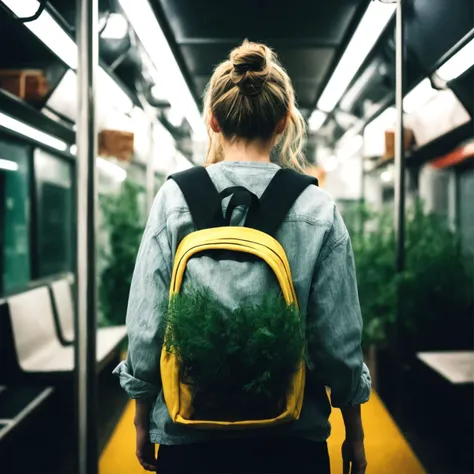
(436, 286)
(124, 226)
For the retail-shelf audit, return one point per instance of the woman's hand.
(145, 449)
(353, 457)
(353, 450)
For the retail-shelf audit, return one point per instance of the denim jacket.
(319, 251)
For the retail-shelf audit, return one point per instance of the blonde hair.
(249, 94)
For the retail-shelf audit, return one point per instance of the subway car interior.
(387, 91)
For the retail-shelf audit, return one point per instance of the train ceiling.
(309, 36)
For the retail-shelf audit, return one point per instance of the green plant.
(238, 363)
(124, 226)
(437, 286)
(374, 252)
(436, 297)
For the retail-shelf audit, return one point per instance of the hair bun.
(250, 67)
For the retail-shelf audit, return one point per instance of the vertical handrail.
(86, 318)
(150, 171)
(399, 202)
(399, 141)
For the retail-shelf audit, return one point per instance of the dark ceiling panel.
(308, 63)
(454, 18)
(299, 62)
(323, 21)
(306, 92)
(200, 83)
(24, 50)
(306, 36)
(201, 60)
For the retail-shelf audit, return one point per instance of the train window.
(54, 214)
(14, 217)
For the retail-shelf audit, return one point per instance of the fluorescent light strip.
(116, 27)
(8, 165)
(458, 64)
(316, 120)
(116, 96)
(386, 176)
(23, 129)
(356, 90)
(349, 145)
(372, 25)
(330, 164)
(107, 166)
(419, 96)
(384, 121)
(47, 30)
(170, 79)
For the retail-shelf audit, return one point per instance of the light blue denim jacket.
(321, 260)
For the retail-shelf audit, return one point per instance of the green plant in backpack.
(239, 360)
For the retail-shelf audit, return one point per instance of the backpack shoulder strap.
(201, 197)
(280, 195)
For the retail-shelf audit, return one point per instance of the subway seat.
(107, 337)
(38, 348)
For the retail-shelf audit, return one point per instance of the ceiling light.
(174, 117)
(116, 27)
(383, 122)
(349, 145)
(419, 96)
(361, 82)
(112, 169)
(316, 120)
(8, 165)
(109, 167)
(156, 92)
(458, 64)
(330, 164)
(23, 129)
(169, 77)
(113, 93)
(46, 29)
(386, 176)
(374, 132)
(373, 23)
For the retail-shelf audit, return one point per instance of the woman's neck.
(246, 152)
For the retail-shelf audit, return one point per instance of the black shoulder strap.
(280, 195)
(201, 197)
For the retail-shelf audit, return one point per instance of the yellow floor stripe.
(387, 450)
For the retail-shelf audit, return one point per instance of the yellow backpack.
(213, 232)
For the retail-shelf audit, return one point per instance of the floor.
(387, 450)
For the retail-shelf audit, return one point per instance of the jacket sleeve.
(140, 373)
(335, 322)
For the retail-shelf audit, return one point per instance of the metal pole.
(399, 143)
(399, 204)
(150, 173)
(85, 345)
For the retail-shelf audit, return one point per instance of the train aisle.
(387, 450)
